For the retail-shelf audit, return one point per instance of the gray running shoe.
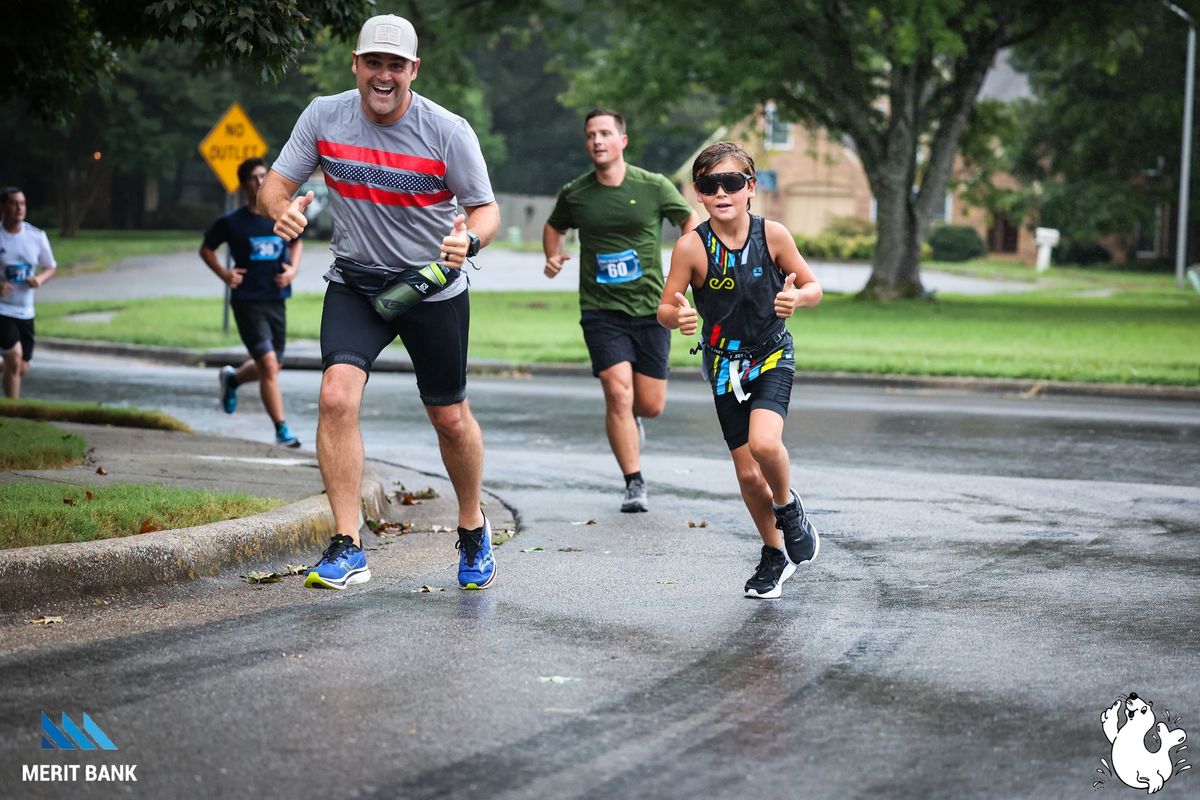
(636, 498)
(773, 569)
(800, 538)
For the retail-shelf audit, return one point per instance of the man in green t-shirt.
(618, 209)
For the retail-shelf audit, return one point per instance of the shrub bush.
(956, 243)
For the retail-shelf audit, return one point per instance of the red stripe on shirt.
(712, 340)
(382, 157)
(356, 191)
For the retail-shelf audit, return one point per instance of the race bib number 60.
(620, 267)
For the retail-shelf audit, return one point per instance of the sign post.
(230, 142)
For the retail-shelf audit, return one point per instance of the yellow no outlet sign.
(231, 141)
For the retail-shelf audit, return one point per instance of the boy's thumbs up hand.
(785, 301)
(686, 315)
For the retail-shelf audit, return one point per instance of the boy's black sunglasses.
(729, 181)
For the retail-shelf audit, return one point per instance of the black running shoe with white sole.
(636, 498)
(800, 538)
(773, 569)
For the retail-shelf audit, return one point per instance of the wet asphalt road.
(994, 572)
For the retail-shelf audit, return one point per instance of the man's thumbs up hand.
(454, 246)
(293, 222)
(785, 301)
(685, 314)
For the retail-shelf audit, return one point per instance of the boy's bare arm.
(674, 311)
(802, 291)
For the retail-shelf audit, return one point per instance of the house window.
(1002, 235)
(778, 134)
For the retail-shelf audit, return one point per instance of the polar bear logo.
(1135, 765)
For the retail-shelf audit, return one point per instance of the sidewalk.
(38, 577)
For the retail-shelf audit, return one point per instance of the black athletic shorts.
(434, 333)
(262, 324)
(614, 336)
(771, 389)
(13, 330)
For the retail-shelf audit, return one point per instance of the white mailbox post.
(1046, 239)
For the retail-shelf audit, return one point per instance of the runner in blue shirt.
(261, 280)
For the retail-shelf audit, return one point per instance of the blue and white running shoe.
(284, 437)
(476, 565)
(342, 564)
(228, 389)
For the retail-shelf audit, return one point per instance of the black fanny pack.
(393, 293)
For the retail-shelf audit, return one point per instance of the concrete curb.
(392, 363)
(38, 577)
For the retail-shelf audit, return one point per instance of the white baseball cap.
(388, 33)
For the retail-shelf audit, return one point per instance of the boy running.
(747, 277)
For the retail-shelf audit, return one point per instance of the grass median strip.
(91, 414)
(40, 513)
(1144, 331)
(25, 444)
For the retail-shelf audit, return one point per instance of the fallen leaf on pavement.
(101, 471)
(667, 582)
(700, 524)
(427, 589)
(441, 529)
(428, 493)
(534, 550)
(294, 569)
(256, 576)
(585, 522)
(555, 679)
(570, 549)
(408, 499)
(45, 621)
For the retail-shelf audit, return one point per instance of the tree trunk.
(896, 267)
(76, 182)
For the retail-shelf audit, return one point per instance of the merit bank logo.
(67, 734)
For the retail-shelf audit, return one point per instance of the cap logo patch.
(387, 34)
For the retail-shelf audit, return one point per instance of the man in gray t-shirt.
(408, 186)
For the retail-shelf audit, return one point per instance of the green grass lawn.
(93, 250)
(38, 513)
(25, 444)
(1146, 332)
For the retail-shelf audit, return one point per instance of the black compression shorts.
(434, 333)
(771, 389)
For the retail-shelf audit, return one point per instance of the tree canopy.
(1102, 140)
(898, 79)
(58, 52)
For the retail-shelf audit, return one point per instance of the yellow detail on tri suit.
(723, 283)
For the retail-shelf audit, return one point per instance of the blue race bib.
(620, 267)
(265, 248)
(18, 273)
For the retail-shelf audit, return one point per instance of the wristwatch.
(473, 244)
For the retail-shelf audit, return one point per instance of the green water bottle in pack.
(414, 286)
